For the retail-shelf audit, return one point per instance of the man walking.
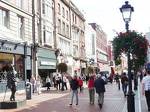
(146, 88)
(100, 89)
(74, 87)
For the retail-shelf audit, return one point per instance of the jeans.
(124, 89)
(74, 92)
(101, 98)
(147, 95)
(92, 95)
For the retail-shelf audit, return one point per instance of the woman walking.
(91, 89)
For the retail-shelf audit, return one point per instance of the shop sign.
(48, 63)
(5, 48)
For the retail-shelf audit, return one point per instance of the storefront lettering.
(47, 63)
(5, 48)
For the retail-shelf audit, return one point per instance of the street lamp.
(126, 11)
(58, 53)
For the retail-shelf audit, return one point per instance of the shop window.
(16, 60)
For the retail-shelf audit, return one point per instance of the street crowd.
(96, 85)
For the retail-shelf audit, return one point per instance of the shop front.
(46, 63)
(18, 55)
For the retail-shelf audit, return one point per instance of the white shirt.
(48, 79)
(146, 82)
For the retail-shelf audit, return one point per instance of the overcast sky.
(107, 14)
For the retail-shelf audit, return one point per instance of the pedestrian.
(48, 83)
(124, 82)
(11, 81)
(146, 88)
(100, 89)
(38, 85)
(117, 78)
(65, 82)
(91, 89)
(86, 78)
(33, 81)
(80, 81)
(58, 81)
(74, 89)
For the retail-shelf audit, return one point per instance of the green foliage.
(132, 42)
(90, 70)
(62, 67)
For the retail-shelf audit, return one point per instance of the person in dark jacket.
(74, 87)
(124, 82)
(100, 89)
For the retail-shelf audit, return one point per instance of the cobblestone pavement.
(58, 101)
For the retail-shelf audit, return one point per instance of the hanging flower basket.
(132, 42)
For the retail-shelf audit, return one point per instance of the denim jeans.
(101, 98)
(124, 88)
(74, 92)
(92, 95)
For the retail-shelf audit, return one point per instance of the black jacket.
(74, 84)
(99, 85)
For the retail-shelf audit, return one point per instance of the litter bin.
(28, 90)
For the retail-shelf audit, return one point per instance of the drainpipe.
(54, 24)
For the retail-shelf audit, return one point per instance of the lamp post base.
(130, 102)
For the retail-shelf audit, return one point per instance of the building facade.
(101, 48)
(78, 40)
(90, 45)
(44, 49)
(15, 39)
(70, 37)
(148, 52)
(62, 27)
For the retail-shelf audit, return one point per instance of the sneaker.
(70, 104)
(100, 106)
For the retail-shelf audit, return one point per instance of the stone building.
(15, 39)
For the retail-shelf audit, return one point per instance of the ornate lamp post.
(60, 69)
(126, 11)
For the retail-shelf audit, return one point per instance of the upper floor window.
(67, 14)
(75, 19)
(63, 28)
(4, 18)
(59, 26)
(19, 3)
(63, 12)
(47, 37)
(20, 27)
(47, 11)
(67, 30)
(59, 10)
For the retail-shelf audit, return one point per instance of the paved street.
(57, 101)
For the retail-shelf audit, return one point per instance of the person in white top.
(38, 84)
(48, 83)
(65, 82)
(146, 88)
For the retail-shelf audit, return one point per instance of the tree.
(62, 67)
(132, 42)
